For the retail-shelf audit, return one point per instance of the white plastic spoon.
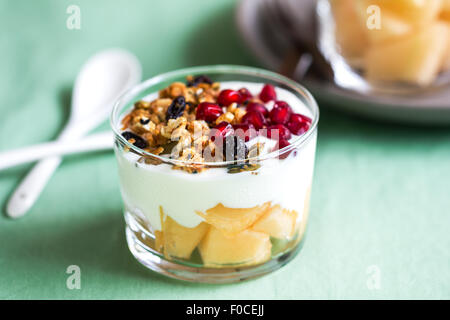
(94, 142)
(101, 80)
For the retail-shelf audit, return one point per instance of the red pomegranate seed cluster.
(278, 124)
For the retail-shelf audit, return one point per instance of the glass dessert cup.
(385, 46)
(221, 224)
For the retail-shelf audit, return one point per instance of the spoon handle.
(55, 149)
(28, 191)
(35, 181)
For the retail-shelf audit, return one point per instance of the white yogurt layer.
(285, 182)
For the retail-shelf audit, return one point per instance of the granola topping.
(196, 122)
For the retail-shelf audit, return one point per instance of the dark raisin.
(138, 141)
(176, 108)
(234, 149)
(199, 79)
(144, 121)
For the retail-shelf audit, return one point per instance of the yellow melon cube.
(446, 60)
(245, 248)
(445, 11)
(230, 220)
(416, 58)
(159, 241)
(391, 27)
(277, 222)
(350, 29)
(180, 241)
(445, 5)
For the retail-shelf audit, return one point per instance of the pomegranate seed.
(245, 131)
(227, 97)
(282, 104)
(255, 106)
(255, 118)
(208, 111)
(221, 131)
(280, 145)
(280, 113)
(298, 124)
(278, 132)
(268, 93)
(245, 95)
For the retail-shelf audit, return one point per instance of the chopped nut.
(232, 107)
(184, 142)
(239, 114)
(206, 97)
(227, 117)
(190, 154)
(174, 90)
(141, 104)
(174, 124)
(126, 121)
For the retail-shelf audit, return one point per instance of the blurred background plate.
(270, 46)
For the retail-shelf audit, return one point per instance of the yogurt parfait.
(215, 167)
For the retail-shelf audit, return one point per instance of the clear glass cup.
(178, 223)
(386, 46)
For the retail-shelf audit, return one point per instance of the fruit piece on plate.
(277, 222)
(350, 30)
(231, 221)
(415, 58)
(180, 241)
(445, 10)
(391, 27)
(245, 248)
(446, 61)
(446, 64)
(416, 12)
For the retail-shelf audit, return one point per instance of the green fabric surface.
(381, 192)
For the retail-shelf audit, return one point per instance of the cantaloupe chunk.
(159, 241)
(415, 12)
(350, 30)
(277, 222)
(391, 28)
(180, 241)
(245, 248)
(416, 58)
(159, 235)
(230, 220)
(445, 10)
(446, 62)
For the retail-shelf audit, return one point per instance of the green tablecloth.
(380, 214)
